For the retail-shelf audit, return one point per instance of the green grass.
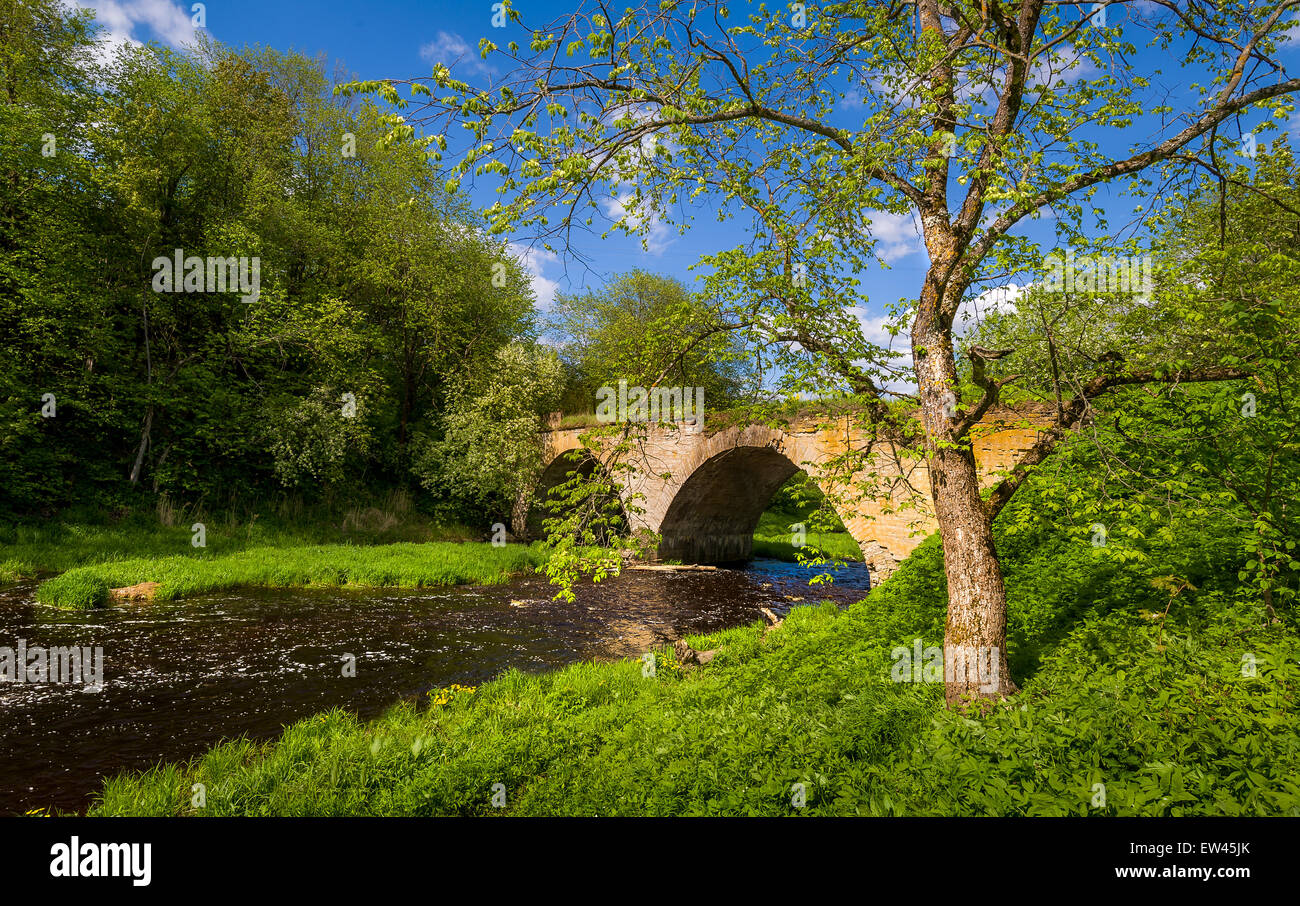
(580, 420)
(28, 550)
(1170, 729)
(76, 590)
(390, 565)
(772, 539)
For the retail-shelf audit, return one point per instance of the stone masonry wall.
(704, 490)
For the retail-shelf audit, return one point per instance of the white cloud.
(136, 21)
(109, 44)
(452, 50)
(1289, 38)
(658, 235)
(1058, 70)
(534, 258)
(896, 235)
(875, 329)
(853, 100)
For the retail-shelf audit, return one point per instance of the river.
(181, 676)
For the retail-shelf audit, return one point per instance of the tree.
(191, 150)
(490, 430)
(51, 317)
(1224, 451)
(973, 119)
(380, 294)
(646, 328)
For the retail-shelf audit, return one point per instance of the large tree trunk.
(975, 637)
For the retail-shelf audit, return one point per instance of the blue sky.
(400, 38)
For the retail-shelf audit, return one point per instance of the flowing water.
(180, 676)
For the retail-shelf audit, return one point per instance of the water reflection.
(179, 677)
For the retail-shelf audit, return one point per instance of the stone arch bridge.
(704, 489)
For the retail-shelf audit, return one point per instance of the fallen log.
(686, 655)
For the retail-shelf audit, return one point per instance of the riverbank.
(31, 549)
(246, 663)
(809, 719)
(374, 547)
(385, 545)
(401, 565)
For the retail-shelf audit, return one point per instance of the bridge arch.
(562, 467)
(713, 516)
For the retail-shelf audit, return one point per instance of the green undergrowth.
(800, 502)
(1124, 710)
(773, 537)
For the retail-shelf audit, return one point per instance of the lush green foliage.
(29, 549)
(490, 431)
(799, 502)
(648, 330)
(774, 537)
(380, 298)
(1151, 567)
(1227, 296)
(1178, 701)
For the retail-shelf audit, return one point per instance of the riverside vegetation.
(383, 544)
(801, 502)
(401, 565)
(1138, 698)
(383, 547)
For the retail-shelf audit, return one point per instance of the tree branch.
(1078, 408)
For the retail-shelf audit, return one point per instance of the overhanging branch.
(1077, 408)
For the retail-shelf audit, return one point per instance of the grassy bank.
(29, 549)
(800, 501)
(390, 565)
(772, 539)
(1156, 708)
